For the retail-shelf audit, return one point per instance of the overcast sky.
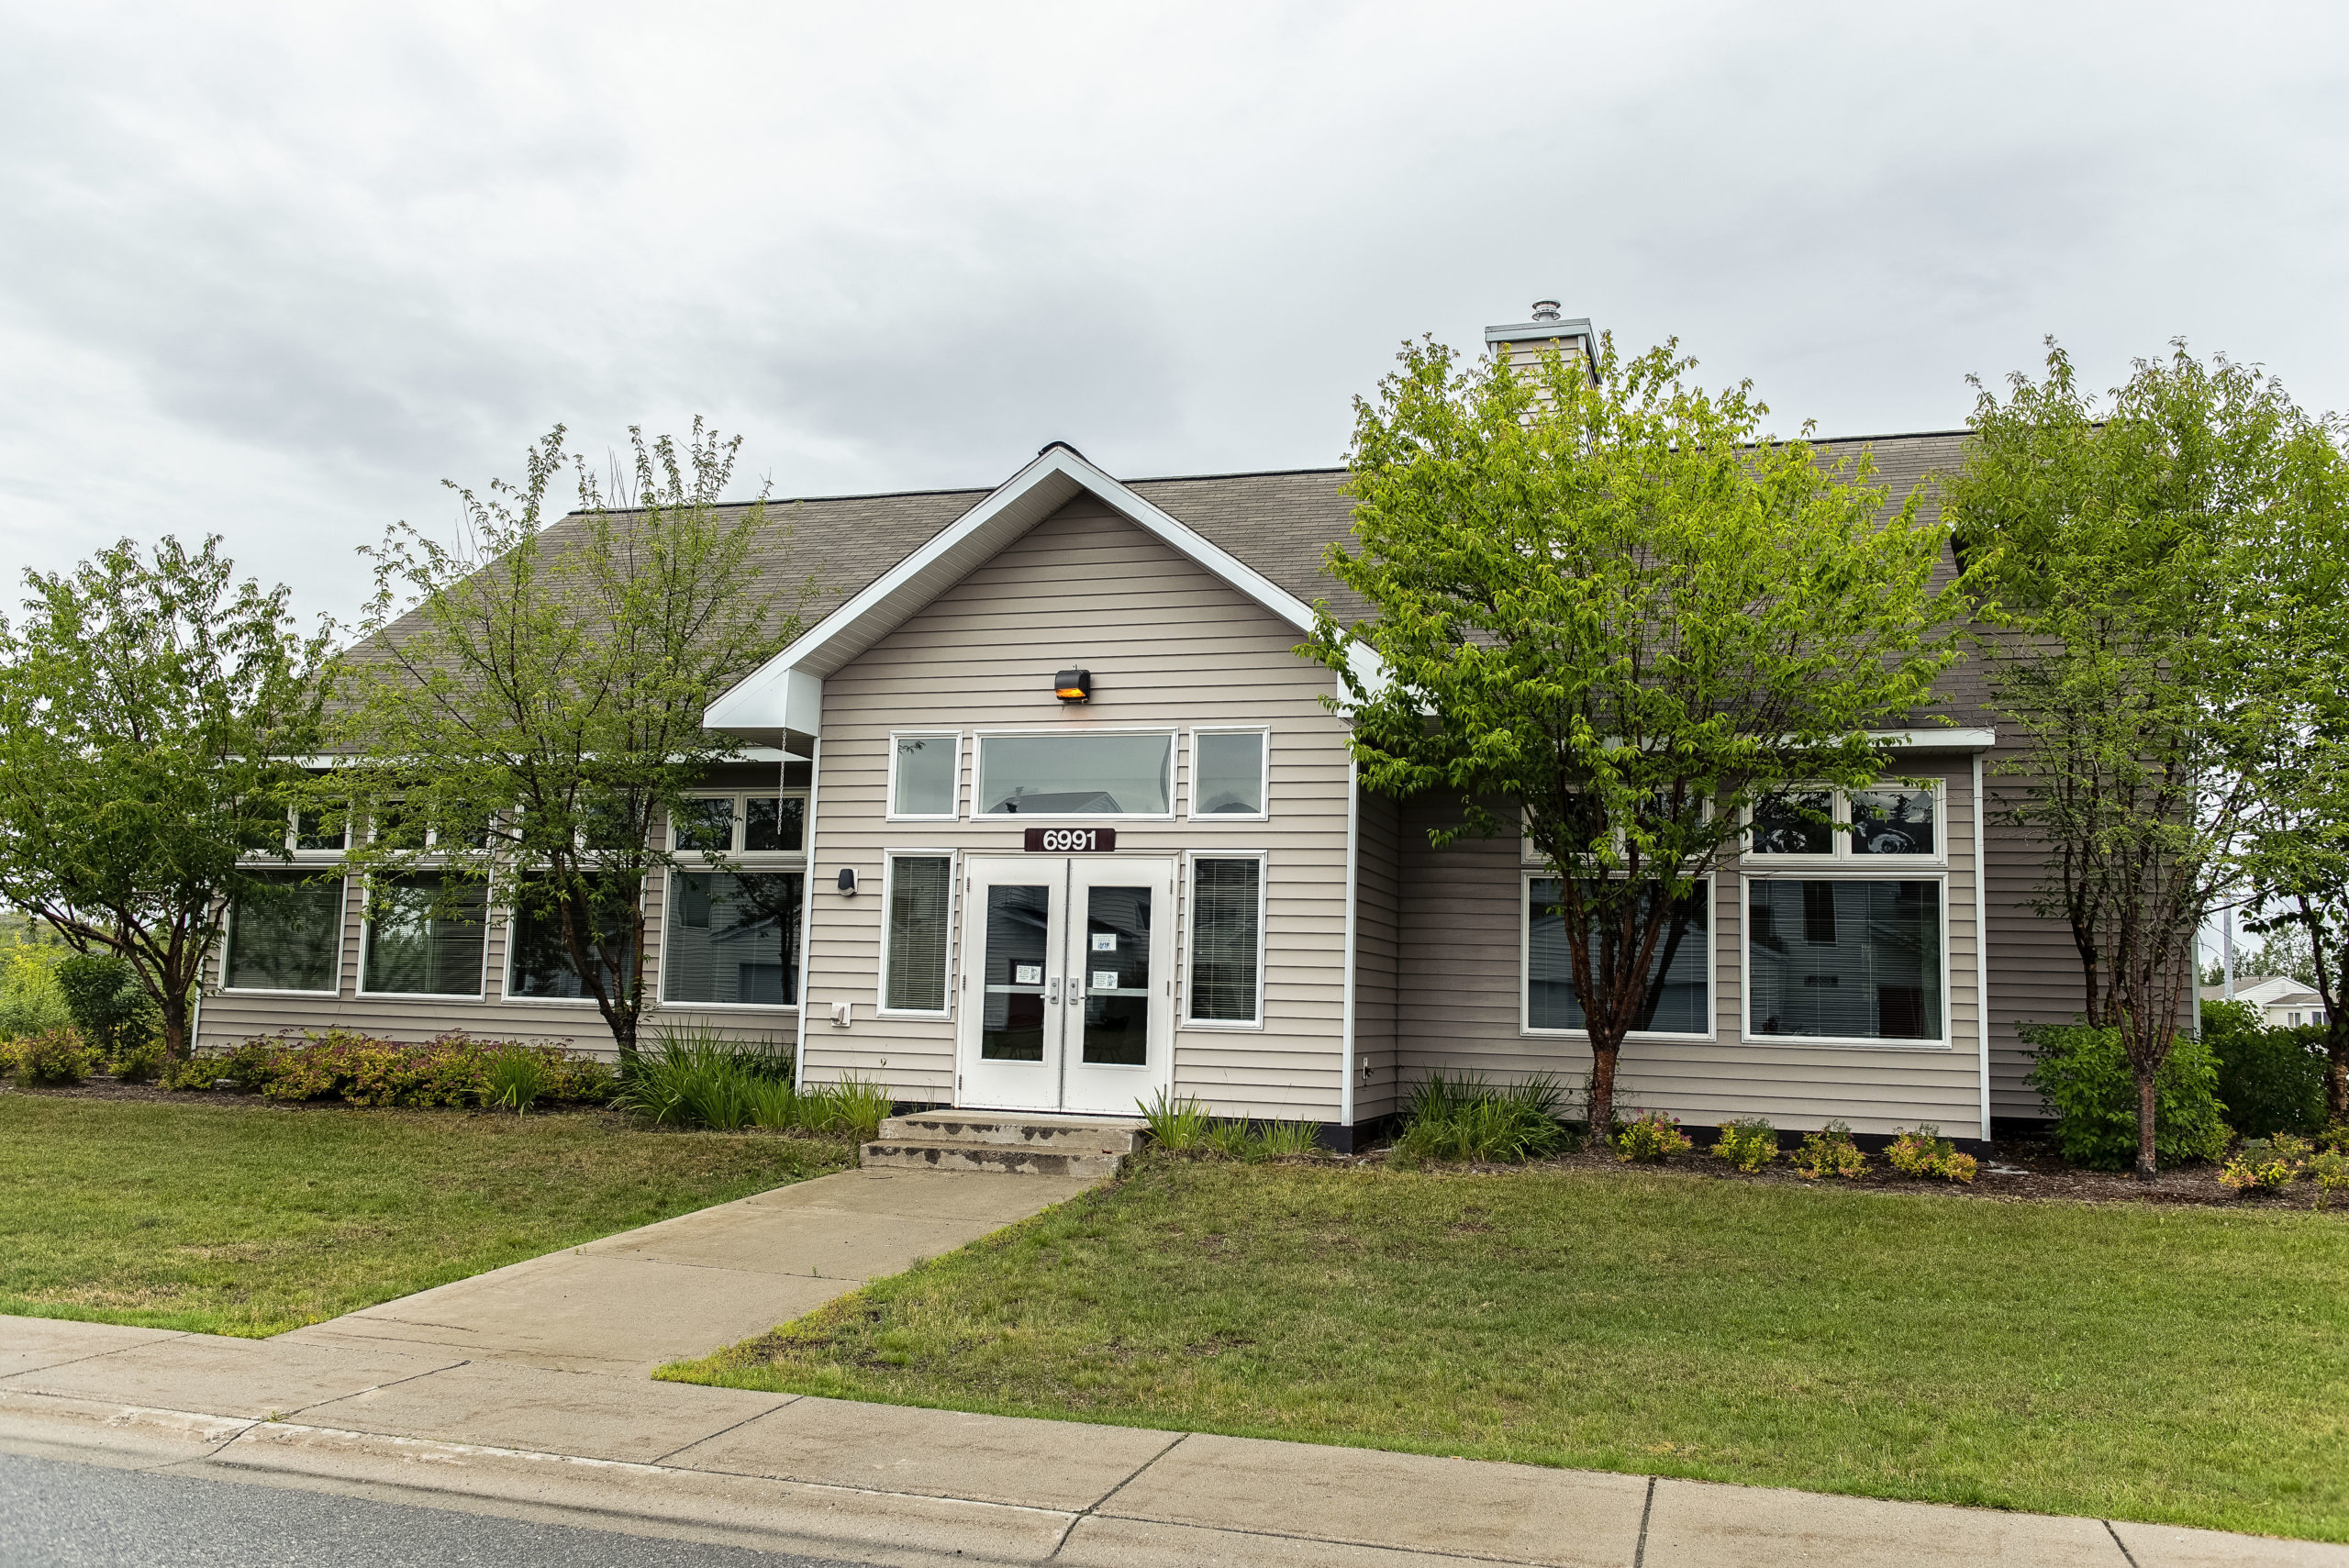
(273, 273)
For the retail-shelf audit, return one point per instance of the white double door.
(1068, 983)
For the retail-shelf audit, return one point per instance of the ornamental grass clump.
(1465, 1119)
(1830, 1152)
(1176, 1126)
(1650, 1137)
(1748, 1144)
(515, 1078)
(1926, 1153)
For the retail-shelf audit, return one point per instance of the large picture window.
(1678, 999)
(285, 934)
(425, 936)
(1844, 960)
(539, 964)
(914, 965)
(1226, 985)
(732, 940)
(1098, 774)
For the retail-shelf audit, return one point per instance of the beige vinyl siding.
(1378, 929)
(2034, 966)
(1168, 645)
(1462, 982)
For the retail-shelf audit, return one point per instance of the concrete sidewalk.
(523, 1393)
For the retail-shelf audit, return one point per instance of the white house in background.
(1045, 812)
(2281, 1002)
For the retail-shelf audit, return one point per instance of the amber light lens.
(1072, 686)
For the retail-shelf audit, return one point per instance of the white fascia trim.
(1936, 739)
(1057, 475)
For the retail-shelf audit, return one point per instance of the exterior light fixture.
(846, 883)
(1074, 685)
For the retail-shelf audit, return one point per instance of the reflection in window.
(1227, 774)
(1795, 824)
(706, 825)
(1846, 960)
(1075, 775)
(311, 831)
(925, 784)
(424, 937)
(732, 939)
(540, 963)
(1892, 822)
(919, 888)
(772, 822)
(284, 934)
(1676, 998)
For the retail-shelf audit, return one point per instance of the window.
(312, 833)
(540, 963)
(1844, 960)
(1095, 774)
(284, 934)
(1227, 941)
(1679, 992)
(732, 940)
(425, 933)
(1228, 773)
(1822, 824)
(925, 775)
(920, 900)
(750, 824)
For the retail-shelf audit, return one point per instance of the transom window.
(1091, 773)
(1827, 824)
(925, 776)
(750, 823)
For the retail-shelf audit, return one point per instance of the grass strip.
(248, 1219)
(2169, 1365)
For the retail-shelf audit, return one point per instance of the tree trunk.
(177, 1047)
(2145, 1106)
(1602, 1094)
(2336, 1074)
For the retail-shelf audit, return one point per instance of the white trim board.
(786, 693)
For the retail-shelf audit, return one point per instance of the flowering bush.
(1748, 1144)
(1925, 1152)
(1829, 1153)
(2330, 1171)
(1651, 1136)
(2266, 1164)
(56, 1056)
(360, 1070)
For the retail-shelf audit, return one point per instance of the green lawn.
(245, 1218)
(2186, 1365)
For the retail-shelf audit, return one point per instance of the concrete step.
(1010, 1131)
(999, 1159)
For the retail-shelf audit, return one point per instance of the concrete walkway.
(522, 1393)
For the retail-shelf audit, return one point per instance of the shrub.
(1748, 1144)
(2335, 1138)
(2329, 1168)
(30, 1001)
(1830, 1152)
(1925, 1152)
(693, 1076)
(2266, 1164)
(1464, 1118)
(515, 1078)
(2271, 1080)
(1180, 1126)
(362, 1070)
(2083, 1075)
(196, 1073)
(139, 1063)
(55, 1058)
(103, 993)
(1651, 1136)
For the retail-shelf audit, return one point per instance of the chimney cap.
(1547, 325)
(1545, 310)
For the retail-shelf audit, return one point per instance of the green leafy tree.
(525, 711)
(1612, 614)
(2141, 553)
(155, 715)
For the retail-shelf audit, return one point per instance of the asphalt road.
(56, 1514)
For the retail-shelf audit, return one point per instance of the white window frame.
(1023, 818)
(1856, 868)
(1183, 1020)
(739, 834)
(342, 937)
(366, 924)
(1191, 811)
(1527, 877)
(310, 857)
(891, 813)
(889, 858)
(1842, 850)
